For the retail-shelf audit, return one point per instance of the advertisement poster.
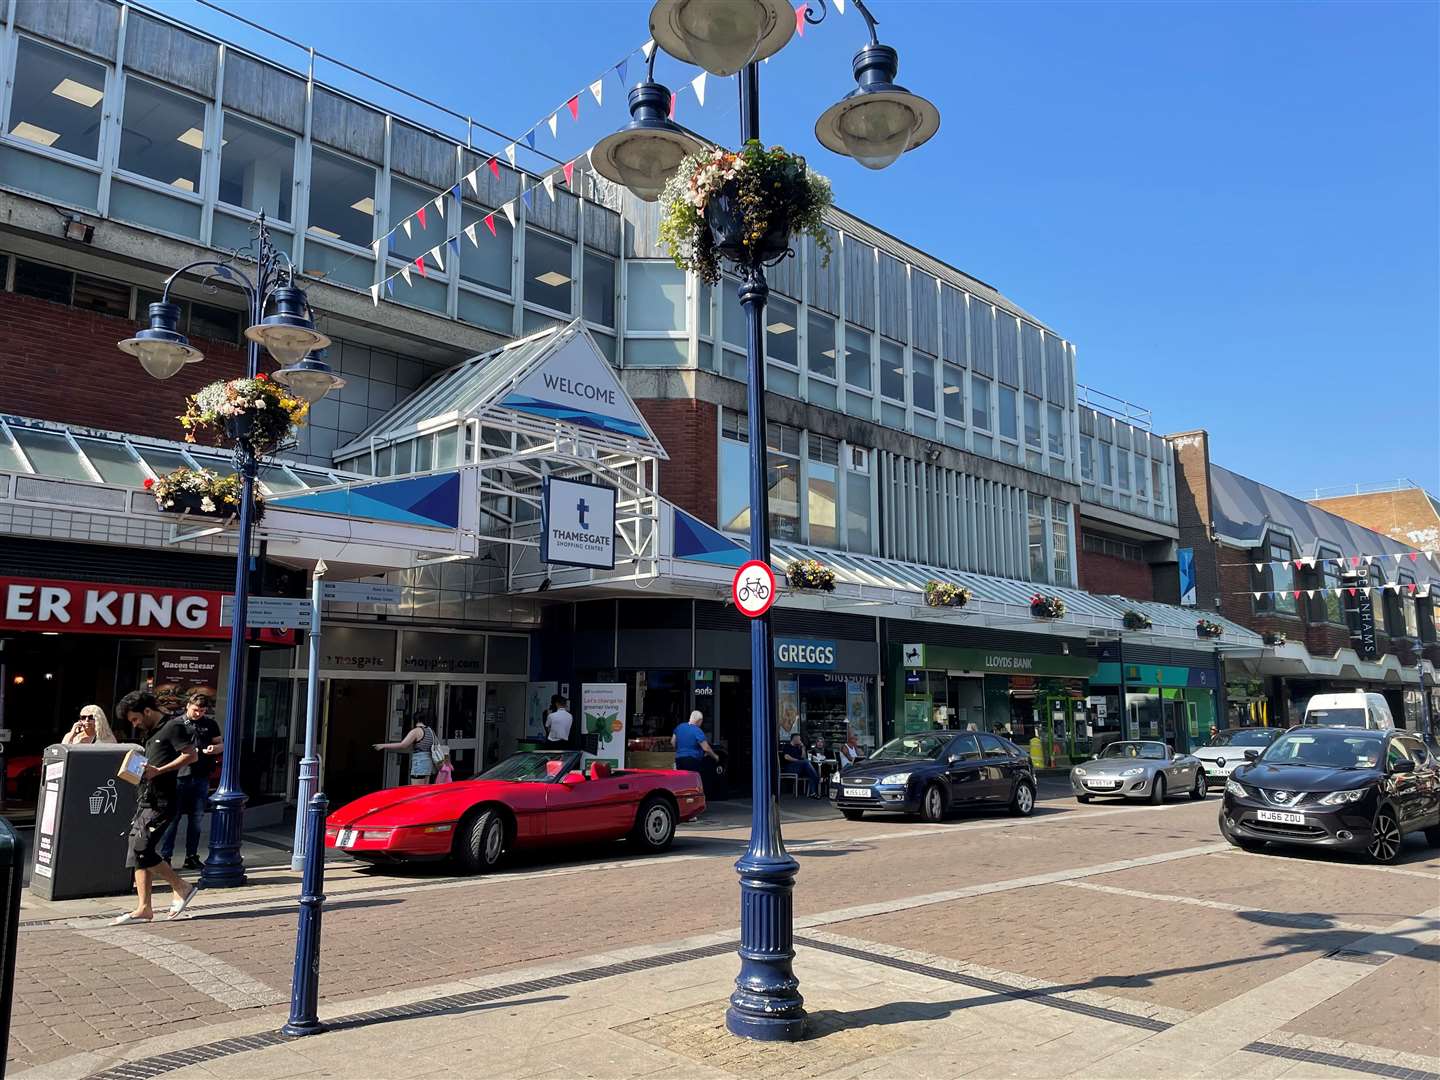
(179, 671)
(787, 707)
(537, 701)
(1187, 576)
(857, 711)
(602, 712)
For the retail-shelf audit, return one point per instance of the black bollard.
(305, 986)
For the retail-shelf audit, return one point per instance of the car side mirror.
(1404, 765)
(570, 779)
(1252, 755)
(953, 758)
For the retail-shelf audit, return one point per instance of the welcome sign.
(577, 524)
(576, 384)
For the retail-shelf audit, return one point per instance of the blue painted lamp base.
(767, 1005)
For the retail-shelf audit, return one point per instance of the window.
(43, 282)
(859, 532)
(257, 168)
(1036, 505)
(101, 296)
(1032, 421)
(162, 135)
(1411, 616)
(922, 381)
(734, 471)
(820, 345)
(822, 491)
(732, 315)
(1142, 473)
(57, 100)
(1105, 453)
(1057, 431)
(215, 323)
(1330, 608)
(342, 199)
(1006, 420)
(1060, 541)
(405, 199)
(892, 370)
(1279, 553)
(655, 296)
(992, 746)
(487, 261)
(782, 461)
(599, 288)
(1100, 544)
(1087, 457)
(857, 357)
(979, 402)
(548, 280)
(780, 333)
(1122, 468)
(954, 393)
(1157, 482)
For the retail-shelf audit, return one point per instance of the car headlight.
(1079, 770)
(1133, 772)
(896, 778)
(376, 834)
(1338, 798)
(1234, 787)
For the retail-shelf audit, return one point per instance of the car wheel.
(1202, 786)
(1386, 839)
(1023, 801)
(1082, 798)
(654, 825)
(481, 842)
(1157, 790)
(932, 804)
(853, 815)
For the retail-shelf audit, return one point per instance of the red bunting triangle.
(570, 173)
(1414, 555)
(574, 106)
(800, 19)
(420, 265)
(1298, 563)
(1412, 588)
(490, 223)
(672, 106)
(1354, 560)
(1297, 594)
(494, 168)
(1352, 592)
(420, 217)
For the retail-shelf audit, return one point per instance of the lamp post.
(288, 333)
(875, 124)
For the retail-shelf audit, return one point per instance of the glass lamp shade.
(289, 335)
(876, 132)
(310, 379)
(161, 349)
(642, 158)
(722, 36)
(877, 121)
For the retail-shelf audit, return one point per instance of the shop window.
(1087, 457)
(954, 393)
(922, 381)
(487, 261)
(781, 335)
(599, 288)
(162, 136)
(43, 282)
(1007, 423)
(822, 491)
(734, 494)
(1057, 431)
(654, 297)
(1036, 536)
(782, 460)
(57, 100)
(548, 272)
(979, 402)
(857, 358)
(405, 199)
(892, 370)
(342, 199)
(101, 296)
(1032, 420)
(1060, 541)
(820, 345)
(257, 168)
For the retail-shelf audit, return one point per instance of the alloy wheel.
(657, 824)
(494, 843)
(933, 804)
(1024, 801)
(1385, 839)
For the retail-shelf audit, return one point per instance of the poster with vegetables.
(602, 714)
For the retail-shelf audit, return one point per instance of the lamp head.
(877, 121)
(311, 379)
(289, 334)
(645, 153)
(722, 36)
(161, 349)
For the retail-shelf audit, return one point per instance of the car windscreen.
(1244, 737)
(1336, 717)
(1336, 749)
(1148, 750)
(531, 765)
(910, 747)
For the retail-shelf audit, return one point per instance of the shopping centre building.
(923, 427)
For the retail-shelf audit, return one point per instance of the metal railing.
(1110, 405)
(1377, 488)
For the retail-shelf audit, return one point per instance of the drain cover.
(1351, 956)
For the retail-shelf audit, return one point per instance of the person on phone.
(193, 787)
(417, 743)
(92, 727)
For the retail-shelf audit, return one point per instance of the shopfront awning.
(1292, 660)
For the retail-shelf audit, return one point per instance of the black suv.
(1345, 788)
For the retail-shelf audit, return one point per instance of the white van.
(1350, 710)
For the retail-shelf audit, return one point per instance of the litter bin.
(12, 862)
(82, 823)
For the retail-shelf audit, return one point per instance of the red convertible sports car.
(529, 800)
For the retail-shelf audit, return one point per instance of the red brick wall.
(689, 430)
(57, 363)
(1111, 576)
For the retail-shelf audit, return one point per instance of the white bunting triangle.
(648, 48)
(597, 91)
(440, 205)
(1308, 592)
(437, 256)
(407, 226)
(470, 233)
(474, 184)
(375, 295)
(510, 154)
(549, 184)
(405, 273)
(509, 209)
(840, 7)
(698, 84)
(554, 123)
(1258, 595)
(1259, 567)
(375, 248)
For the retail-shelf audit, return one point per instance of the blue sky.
(1232, 209)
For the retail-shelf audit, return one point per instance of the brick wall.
(1193, 516)
(1407, 515)
(689, 430)
(1109, 575)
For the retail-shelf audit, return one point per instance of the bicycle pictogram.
(753, 588)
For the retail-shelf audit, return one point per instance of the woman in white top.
(92, 727)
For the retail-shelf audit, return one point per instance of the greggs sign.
(87, 607)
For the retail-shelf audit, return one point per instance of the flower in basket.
(1206, 628)
(1274, 638)
(810, 574)
(199, 491)
(946, 594)
(744, 205)
(1137, 620)
(256, 410)
(1047, 607)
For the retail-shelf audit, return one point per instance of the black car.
(1346, 788)
(930, 772)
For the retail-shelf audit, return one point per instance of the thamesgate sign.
(577, 524)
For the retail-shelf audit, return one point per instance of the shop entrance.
(354, 722)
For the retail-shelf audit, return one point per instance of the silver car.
(1224, 753)
(1139, 769)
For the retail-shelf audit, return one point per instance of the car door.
(579, 811)
(1179, 770)
(1000, 769)
(964, 770)
(1414, 791)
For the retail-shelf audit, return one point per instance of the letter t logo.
(583, 509)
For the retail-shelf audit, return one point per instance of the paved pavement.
(1105, 940)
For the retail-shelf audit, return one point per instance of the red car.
(529, 800)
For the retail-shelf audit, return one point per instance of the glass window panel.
(822, 491)
(50, 454)
(424, 453)
(162, 136)
(954, 393)
(783, 479)
(215, 323)
(733, 365)
(892, 416)
(979, 402)
(705, 307)
(1282, 573)
(447, 448)
(1142, 475)
(278, 479)
(113, 461)
(1036, 532)
(257, 168)
(1087, 457)
(405, 199)
(1156, 481)
(57, 181)
(57, 100)
(1057, 431)
(498, 315)
(607, 344)
(892, 370)
(820, 345)
(655, 297)
(487, 261)
(922, 381)
(732, 314)
(215, 462)
(1105, 454)
(342, 198)
(648, 352)
(823, 394)
(9, 457)
(1032, 421)
(859, 535)
(1006, 409)
(857, 358)
(102, 296)
(532, 322)
(162, 462)
(734, 485)
(782, 380)
(1060, 540)
(780, 331)
(982, 444)
(1122, 468)
(599, 278)
(43, 282)
(145, 206)
(548, 272)
(228, 233)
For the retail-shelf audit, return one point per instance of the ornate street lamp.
(311, 378)
(288, 334)
(874, 124)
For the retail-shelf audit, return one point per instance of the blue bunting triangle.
(530, 138)
(389, 286)
(621, 68)
(455, 244)
(526, 196)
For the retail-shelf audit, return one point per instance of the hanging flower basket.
(1274, 638)
(1137, 620)
(200, 493)
(254, 412)
(1047, 607)
(1207, 629)
(946, 594)
(744, 206)
(810, 574)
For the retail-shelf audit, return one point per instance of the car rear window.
(1336, 717)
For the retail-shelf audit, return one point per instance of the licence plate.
(346, 838)
(1280, 816)
(856, 792)
(1099, 784)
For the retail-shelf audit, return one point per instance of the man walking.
(192, 789)
(169, 747)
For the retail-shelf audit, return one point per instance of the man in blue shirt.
(693, 750)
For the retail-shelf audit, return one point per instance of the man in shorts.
(169, 743)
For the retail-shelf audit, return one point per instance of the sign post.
(310, 763)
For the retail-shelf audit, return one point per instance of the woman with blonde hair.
(92, 727)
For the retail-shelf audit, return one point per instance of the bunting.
(597, 91)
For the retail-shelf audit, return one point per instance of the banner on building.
(577, 524)
(602, 711)
(1187, 577)
(787, 707)
(180, 672)
(1365, 609)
